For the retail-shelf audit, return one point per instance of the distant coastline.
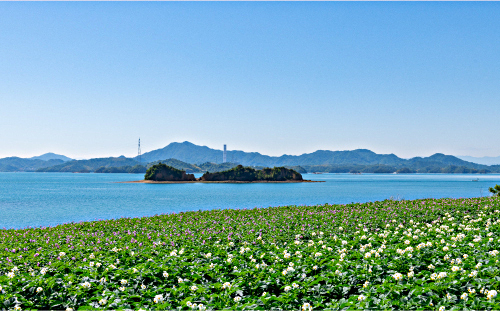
(216, 182)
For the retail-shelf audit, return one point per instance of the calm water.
(43, 199)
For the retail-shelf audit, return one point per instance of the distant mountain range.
(196, 158)
(52, 156)
(481, 160)
(191, 153)
(90, 165)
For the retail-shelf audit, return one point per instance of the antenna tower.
(224, 154)
(139, 151)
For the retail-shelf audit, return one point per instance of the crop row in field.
(421, 254)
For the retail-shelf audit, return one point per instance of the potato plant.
(436, 254)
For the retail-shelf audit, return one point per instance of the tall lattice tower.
(224, 155)
(139, 151)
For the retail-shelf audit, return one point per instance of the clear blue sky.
(87, 79)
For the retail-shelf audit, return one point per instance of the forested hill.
(52, 156)
(199, 159)
(191, 153)
(15, 164)
(90, 165)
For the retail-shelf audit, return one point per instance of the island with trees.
(162, 173)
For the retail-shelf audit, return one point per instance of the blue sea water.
(43, 199)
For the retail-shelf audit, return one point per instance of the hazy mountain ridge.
(481, 160)
(191, 153)
(15, 164)
(193, 158)
(90, 165)
(51, 156)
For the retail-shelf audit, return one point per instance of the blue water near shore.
(43, 199)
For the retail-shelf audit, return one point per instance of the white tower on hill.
(224, 155)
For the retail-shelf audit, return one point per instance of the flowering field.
(422, 254)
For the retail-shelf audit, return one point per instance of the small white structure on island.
(224, 154)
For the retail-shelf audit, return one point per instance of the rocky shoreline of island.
(162, 173)
(216, 182)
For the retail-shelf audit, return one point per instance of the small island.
(162, 173)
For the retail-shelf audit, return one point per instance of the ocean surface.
(48, 199)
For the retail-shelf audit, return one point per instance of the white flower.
(237, 299)
(123, 282)
(165, 274)
(158, 299)
(295, 285)
(455, 268)
(306, 306)
(91, 264)
(91, 256)
(180, 280)
(491, 294)
(397, 276)
(366, 284)
(98, 264)
(86, 285)
(464, 296)
(441, 308)
(287, 288)
(441, 275)
(473, 274)
(226, 285)
(134, 270)
(208, 255)
(143, 286)
(121, 288)
(315, 267)
(102, 302)
(194, 288)
(10, 275)
(431, 266)
(201, 307)
(62, 254)
(69, 309)
(39, 289)
(361, 297)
